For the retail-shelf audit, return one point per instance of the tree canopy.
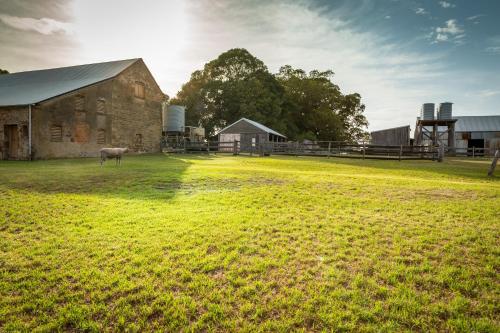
(234, 85)
(3, 71)
(300, 105)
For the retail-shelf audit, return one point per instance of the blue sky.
(397, 54)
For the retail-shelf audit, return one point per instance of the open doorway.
(11, 142)
(478, 144)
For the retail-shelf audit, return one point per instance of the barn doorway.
(11, 141)
(476, 143)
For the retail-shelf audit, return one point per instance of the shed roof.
(477, 124)
(392, 128)
(32, 87)
(256, 124)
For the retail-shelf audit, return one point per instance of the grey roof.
(31, 87)
(256, 124)
(392, 128)
(477, 124)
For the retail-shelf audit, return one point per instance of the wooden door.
(12, 140)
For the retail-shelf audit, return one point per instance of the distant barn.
(75, 111)
(392, 136)
(478, 132)
(249, 133)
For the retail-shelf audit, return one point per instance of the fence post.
(363, 150)
(494, 163)
(441, 153)
(400, 152)
(329, 148)
(235, 147)
(473, 151)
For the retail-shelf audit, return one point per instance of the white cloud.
(451, 32)
(493, 45)
(420, 11)
(488, 93)
(493, 49)
(45, 26)
(446, 4)
(474, 17)
(451, 28)
(441, 37)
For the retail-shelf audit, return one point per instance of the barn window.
(139, 90)
(101, 106)
(80, 103)
(56, 133)
(101, 136)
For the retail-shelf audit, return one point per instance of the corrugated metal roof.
(477, 124)
(256, 124)
(392, 128)
(31, 87)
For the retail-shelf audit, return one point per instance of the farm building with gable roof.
(249, 133)
(74, 111)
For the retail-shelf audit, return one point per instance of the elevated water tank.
(174, 118)
(427, 112)
(445, 110)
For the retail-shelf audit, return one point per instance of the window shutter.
(56, 133)
(101, 136)
(79, 103)
(101, 105)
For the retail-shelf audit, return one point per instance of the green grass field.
(223, 243)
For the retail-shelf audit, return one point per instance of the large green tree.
(299, 104)
(316, 108)
(3, 71)
(234, 85)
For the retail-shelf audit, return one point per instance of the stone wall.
(79, 119)
(137, 123)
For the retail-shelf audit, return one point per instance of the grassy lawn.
(223, 243)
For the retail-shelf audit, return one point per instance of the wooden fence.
(321, 148)
(471, 152)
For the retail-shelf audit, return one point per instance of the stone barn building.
(75, 111)
(249, 133)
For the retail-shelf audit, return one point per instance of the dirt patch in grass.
(216, 185)
(434, 195)
(400, 193)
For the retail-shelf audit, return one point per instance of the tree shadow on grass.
(141, 177)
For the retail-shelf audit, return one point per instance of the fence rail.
(471, 152)
(320, 148)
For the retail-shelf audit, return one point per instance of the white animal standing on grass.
(116, 153)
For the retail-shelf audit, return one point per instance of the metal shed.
(478, 132)
(392, 136)
(249, 133)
